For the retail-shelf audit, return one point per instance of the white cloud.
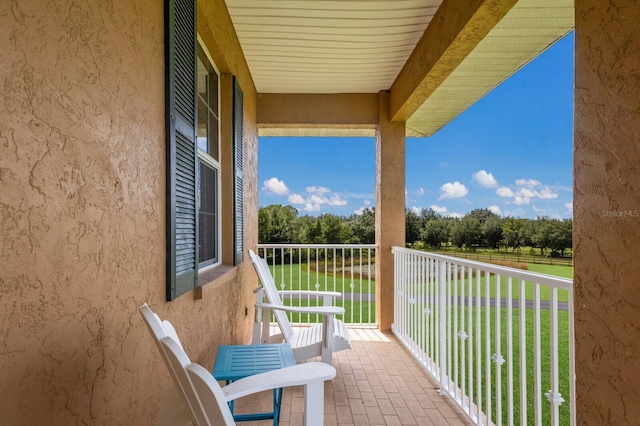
(318, 196)
(416, 209)
(367, 202)
(296, 199)
(569, 207)
(528, 182)
(320, 190)
(504, 192)
(453, 190)
(438, 209)
(336, 200)
(485, 179)
(359, 211)
(495, 209)
(316, 199)
(275, 186)
(526, 193)
(538, 210)
(547, 194)
(311, 207)
(420, 192)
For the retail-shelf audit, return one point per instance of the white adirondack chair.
(159, 330)
(208, 401)
(307, 342)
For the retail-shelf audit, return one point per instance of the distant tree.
(412, 225)
(429, 214)
(530, 235)
(512, 232)
(436, 232)
(467, 232)
(481, 215)
(492, 232)
(276, 224)
(303, 229)
(314, 234)
(334, 229)
(363, 227)
(566, 235)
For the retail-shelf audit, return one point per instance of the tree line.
(480, 228)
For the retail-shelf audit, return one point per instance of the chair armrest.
(297, 375)
(311, 293)
(321, 310)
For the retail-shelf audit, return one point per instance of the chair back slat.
(271, 292)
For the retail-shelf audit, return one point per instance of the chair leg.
(314, 404)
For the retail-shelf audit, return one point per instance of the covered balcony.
(128, 174)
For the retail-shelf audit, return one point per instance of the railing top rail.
(317, 246)
(562, 283)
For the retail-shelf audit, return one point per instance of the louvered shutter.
(238, 122)
(182, 171)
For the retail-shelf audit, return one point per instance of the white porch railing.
(498, 340)
(348, 269)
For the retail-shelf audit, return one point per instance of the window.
(208, 162)
(200, 160)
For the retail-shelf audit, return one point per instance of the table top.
(237, 361)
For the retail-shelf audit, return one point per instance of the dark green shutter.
(238, 122)
(182, 170)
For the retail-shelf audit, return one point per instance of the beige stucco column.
(390, 199)
(607, 212)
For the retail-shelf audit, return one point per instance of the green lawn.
(297, 277)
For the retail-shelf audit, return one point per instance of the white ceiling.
(359, 46)
(328, 46)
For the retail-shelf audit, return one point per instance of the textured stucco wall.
(606, 212)
(82, 214)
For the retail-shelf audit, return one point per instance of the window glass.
(209, 167)
(208, 215)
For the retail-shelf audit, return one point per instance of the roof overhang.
(435, 57)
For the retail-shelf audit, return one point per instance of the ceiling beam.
(454, 31)
(346, 110)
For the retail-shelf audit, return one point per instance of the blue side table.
(237, 361)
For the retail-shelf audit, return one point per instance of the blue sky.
(510, 152)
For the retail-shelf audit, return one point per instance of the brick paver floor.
(377, 383)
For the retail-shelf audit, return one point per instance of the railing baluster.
(442, 318)
(478, 351)
(523, 353)
(471, 336)
(553, 395)
(510, 351)
(498, 358)
(487, 343)
(537, 363)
